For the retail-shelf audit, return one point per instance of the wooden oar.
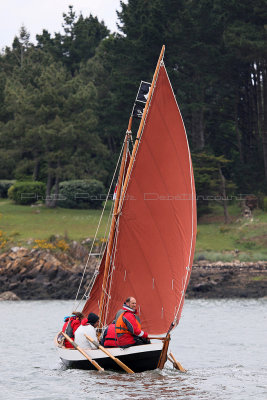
(164, 351)
(119, 362)
(95, 364)
(175, 363)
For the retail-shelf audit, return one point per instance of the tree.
(211, 183)
(78, 43)
(53, 123)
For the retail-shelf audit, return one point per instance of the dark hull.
(138, 362)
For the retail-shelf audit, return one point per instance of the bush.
(81, 194)
(4, 186)
(27, 192)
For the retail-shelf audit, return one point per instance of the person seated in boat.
(71, 324)
(87, 327)
(109, 336)
(128, 327)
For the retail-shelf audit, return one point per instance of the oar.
(95, 364)
(175, 363)
(119, 362)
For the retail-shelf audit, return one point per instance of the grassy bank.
(25, 223)
(242, 239)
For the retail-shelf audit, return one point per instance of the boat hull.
(138, 358)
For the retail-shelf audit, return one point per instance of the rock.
(7, 296)
(15, 249)
(78, 251)
(228, 280)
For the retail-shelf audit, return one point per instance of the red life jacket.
(69, 327)
(110, 339)
(125, 337)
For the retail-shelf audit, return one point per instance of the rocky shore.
(38, 274)
(228, 280)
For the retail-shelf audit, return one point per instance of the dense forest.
(65, 101)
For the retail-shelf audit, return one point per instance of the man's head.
(131, 302)
(93, 319)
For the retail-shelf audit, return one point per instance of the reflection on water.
(221, 343)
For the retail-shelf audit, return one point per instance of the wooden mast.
(113, 225)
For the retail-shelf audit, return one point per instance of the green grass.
(25, 222)
(243, 240)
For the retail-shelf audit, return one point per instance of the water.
(222, 344)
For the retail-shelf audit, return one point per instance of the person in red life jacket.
(108, 339)
(71, 324)
(128, 327)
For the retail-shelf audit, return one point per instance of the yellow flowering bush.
(62, 245)
(58, 244)
(3, 238)
(43, 244)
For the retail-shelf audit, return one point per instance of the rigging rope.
(107, 290)
(100, 220)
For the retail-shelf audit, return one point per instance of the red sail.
(156, 229)
(92, 304)
(157, 224)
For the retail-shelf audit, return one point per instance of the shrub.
(81, 194)
(4, 186)
(27, 192)
(60, 244)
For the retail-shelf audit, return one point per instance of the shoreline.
(228, 280)
(39, 274)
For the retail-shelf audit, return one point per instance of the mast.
(113, 225)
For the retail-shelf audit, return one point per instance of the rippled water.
(222, 344)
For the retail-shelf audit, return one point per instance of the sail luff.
(112, 228)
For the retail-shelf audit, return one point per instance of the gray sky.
(37, 15)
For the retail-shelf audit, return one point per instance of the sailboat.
(150, 247)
